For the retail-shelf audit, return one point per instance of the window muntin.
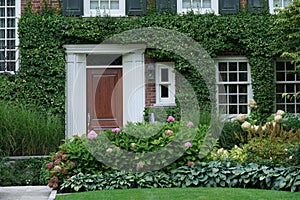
(9, 54)
(234, 88)
(287, 81)
(114, 8)
(165, 84)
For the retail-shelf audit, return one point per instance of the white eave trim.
(104, 48)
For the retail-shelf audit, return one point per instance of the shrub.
(21, 172)
(232, 134)
(292, 121)
(28, 132)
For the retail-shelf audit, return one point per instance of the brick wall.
(150, 85)
(38, 4)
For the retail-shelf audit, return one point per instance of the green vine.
(42, 36)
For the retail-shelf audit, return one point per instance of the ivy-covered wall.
(41, 80)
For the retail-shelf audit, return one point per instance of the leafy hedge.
(212, 174)
(42, 36)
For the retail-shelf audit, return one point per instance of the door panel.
(104, 98)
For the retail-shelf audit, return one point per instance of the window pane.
(232, 89)
(222, 88)
(290, 76)
(2, 2)
(11, 66)
(280, 66)
(2, 23)
(233, 66)
(279, 98)
(104, 59)
(11, 55)
(11, 23)
(232, 77)
(280, 88)
(2, 44)
(233, 109)
(196, 3)
(290, 88)
(290, 66)
(94, 4)
(232, 99)
(222, 66)
(243, 109)
(222, 99)
(223, 77)
(164, 75)
(243, 77)
(206, 3)
(11, 33)
(243, 89)
(243, 99)
(298, 108)
(287, 2)
(186, 3)
(2, 34)
(2, 12)
(11, 2)
(104, 4)
(11, 12)
(164, 91)
(243, 66)
(280, 107)
(280, 76)
(11, 44)
(2, 55)
(114, 5)
(290, 108)
(277, 3)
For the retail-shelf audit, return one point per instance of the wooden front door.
(104, 98)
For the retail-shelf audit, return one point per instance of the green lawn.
(183, 194)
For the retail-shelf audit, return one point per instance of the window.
(104, 8)
(234, 89)
(287, 81)
(198, 6)
(9, 54)
(275, 4)
(165, 84)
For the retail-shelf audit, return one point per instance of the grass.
(183, 194)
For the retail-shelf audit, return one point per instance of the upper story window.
(165, 84)
(234, 85)
(276, 4)
(287, 81)
(198, 6)
(9, 54)
(104, 8)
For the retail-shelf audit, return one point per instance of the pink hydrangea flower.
(116, 130)
(190, 124)
(140, 164)
(57, 168)
(109, 150)
(171, 119)
(92, 135)
(49, 166)
(169, 132)
(188, 145)
(190, 164)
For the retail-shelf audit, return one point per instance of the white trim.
(214, 8)
(170, 101)
(102, 12)
(248, 82)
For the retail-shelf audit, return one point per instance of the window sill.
(165, 104)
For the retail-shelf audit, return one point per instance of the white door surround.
(133, 83)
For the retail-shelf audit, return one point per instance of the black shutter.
(72, 7)
(228, 6)
(257, 5)
(135, 7)
(166, 6)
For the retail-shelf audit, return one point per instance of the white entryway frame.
(133, 77)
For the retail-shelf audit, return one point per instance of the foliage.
(289, 22)
(43, 34)
(234, 155)
(232, 135)
(21, 172)
(28, 132)
(135, 138)
(212, 174)
(291, 121)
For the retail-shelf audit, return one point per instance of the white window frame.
(170, 101)
(104, 12)
(273, 7)
(220, 83)
(214, 8)
(285, 102)
(17, 16)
